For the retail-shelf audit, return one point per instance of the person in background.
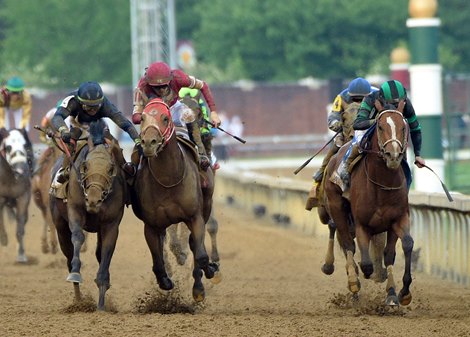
(193, 97)
(163, 82)
(340, 119)
(15, 111)
(391, 93)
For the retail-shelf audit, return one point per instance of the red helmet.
(158, 73)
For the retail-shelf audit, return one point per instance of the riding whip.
(310, 159)
(228, 133)
(443, 185)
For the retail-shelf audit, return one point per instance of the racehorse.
(177, 235)
(378, 203)
(15, 179)
(41, 183)
(169, 189)
(96, 196)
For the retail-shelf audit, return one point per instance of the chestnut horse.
(41, 183)
(378, 204)
(169, 189)
(96, 196)
(15, 179)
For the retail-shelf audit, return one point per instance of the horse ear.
(378, 105)
(401, 105)
(91, 146)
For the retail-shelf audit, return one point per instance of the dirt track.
(272, 286)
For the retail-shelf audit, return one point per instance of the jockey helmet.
(158, 74)
(15, 84)
(392, 91)
(359, 87)
(90, 94)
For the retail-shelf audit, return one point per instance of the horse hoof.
(165, 283)
(328, 269)
(21, 258)
(74, 277)
(405, 300)
(391, 300)
(354, 287)
(199, 295)
(217, 277)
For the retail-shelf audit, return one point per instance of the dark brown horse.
(177, 233)
(96, 196)
(41, 183)
(170, 189)
(378, 204)
(15, 182)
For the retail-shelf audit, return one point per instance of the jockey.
(163, 82)
(85, 105)
(204, 128)
(338, 120)
(15, 111)
(390, 93)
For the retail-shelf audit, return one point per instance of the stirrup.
(318, 176)
(204, 162)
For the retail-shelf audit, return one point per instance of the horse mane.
(97, 131)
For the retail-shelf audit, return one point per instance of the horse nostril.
(154, 142)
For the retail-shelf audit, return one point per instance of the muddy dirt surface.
(272, 286)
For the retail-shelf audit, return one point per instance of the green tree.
(56, 43)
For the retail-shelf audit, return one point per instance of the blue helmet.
(359, 87)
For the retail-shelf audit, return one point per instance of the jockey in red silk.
(391, 92)
(163, 82)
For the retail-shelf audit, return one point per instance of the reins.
(182, 176)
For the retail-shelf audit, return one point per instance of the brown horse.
(41, 183)
(15, 179)
(96, 196)
(378, 203)
(177, 233)
(169, 189)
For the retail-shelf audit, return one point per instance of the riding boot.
(207, 141)
(345, 167)
(62, 174)
(131, 167)
(195, 136)
(318, 176)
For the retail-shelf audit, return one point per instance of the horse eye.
(111, 170)
(8, 148)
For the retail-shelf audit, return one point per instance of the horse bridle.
(402, 143)
(105, 188)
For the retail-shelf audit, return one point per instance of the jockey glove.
(66, 136)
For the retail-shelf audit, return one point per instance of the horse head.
(14, 148)
(98, 169)
(392, 136)
(156, 127)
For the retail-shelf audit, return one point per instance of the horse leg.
(407, 245)
(212, 229)
(104, 252)
(176, 246)
(64, 236)
(389, 260)
(3, 233)
(78, 237)
(21, 219)
(155, 240)
(363, 240)
(52, 234)
(328, 267)
(376, 249)
(44, 242)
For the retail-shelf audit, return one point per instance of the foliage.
(62, 45)
(58, 43)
